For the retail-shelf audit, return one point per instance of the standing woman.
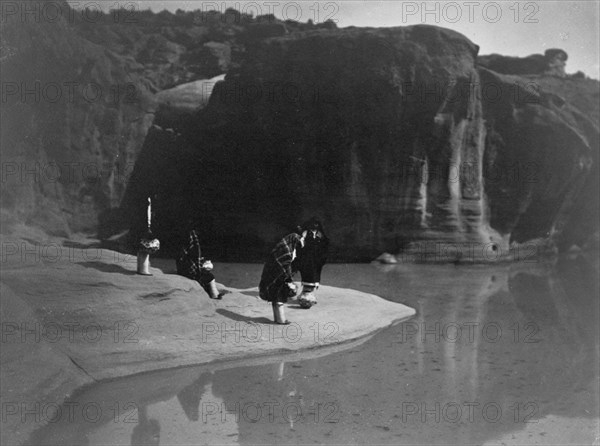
(311, 259)
(276, 282)
(146, 243)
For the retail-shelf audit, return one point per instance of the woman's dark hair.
(311, 224)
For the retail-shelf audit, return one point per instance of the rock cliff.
(401, 139)
(397, 138)
(80, 89)
(74, 115)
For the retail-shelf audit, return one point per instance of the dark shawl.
(278, 270)
(312, 257)
(189, 257)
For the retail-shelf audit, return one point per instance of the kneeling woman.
(192, 265)
(276, 282)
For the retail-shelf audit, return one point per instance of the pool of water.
(504, 354)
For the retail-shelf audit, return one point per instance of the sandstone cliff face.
(400, 139)
(78, 98)
(74, 116)
(395, 137)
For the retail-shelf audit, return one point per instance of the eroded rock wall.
(78, 98)
(395, 137)
(74, 117)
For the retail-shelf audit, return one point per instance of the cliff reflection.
(493, 351)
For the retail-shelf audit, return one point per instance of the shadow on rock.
(251, 293)
(240, 318)
(108, 268)
(78, 245)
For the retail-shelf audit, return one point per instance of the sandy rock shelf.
(86, 316)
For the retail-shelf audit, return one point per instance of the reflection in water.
(147, 431)
(190, 396)
(506, 353)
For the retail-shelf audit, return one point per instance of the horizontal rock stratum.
(395, 137)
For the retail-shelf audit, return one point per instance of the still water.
(504, 354)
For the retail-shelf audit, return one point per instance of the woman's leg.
(311, 276)
(207, 281)
(307, 299)
(279, 313)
